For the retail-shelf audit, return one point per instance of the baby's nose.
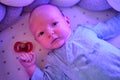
(50, 33)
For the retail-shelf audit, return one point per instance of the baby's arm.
(50, 72)
(109, 29)
(28, 61)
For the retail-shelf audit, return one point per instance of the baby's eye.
(41, 33)
(55, 23)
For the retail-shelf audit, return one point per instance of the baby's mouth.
(54, 40)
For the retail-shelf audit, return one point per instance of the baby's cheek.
(45, 42)
(39, 39)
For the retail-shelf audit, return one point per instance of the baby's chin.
(57, 45)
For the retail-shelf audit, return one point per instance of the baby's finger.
(28, 57)
(33, 55)
(23, 58)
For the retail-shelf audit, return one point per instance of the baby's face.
(50, 28)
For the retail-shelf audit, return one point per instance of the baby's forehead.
(39, 15)
(46, 9)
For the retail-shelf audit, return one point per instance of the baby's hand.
(27, 59)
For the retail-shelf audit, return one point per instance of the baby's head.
(49, 26)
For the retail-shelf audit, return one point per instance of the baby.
(81, 54)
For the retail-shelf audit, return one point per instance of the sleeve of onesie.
(37, 75)
(50, 72)
(108, 29)
(40, 75)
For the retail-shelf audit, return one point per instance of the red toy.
(23, 47)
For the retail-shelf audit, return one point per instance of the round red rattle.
(23, 47)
